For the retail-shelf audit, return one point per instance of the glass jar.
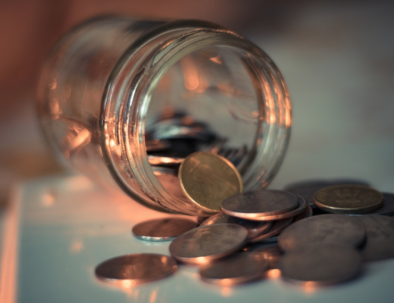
(111, 80)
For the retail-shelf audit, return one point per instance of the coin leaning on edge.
(207, 179)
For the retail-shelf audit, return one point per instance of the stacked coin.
(192, 162)
(233, 246)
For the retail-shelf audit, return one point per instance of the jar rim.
(136, 90)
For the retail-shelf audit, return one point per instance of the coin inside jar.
(348, 199)
(162, 229)
(136, 268)
(259, 203)
(332, 228)
(206, 243)
(236, 269)
(320, 263)
(207, 179)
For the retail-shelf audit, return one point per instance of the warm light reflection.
(202, 260)
(9, 253)
(53, 84)
(80, 137)
(309, 287)
(153, 296)
(192, 79)
(226, 291)
(126, 284)
(272, 117)
(217, 59)
(76, 247)
(47, 199)
(273, 274)
(226, 282)
(190, 74)
(288, 119)
(77, 183)
(54, 108)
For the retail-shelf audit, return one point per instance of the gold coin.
(207, 179)
(348, 199)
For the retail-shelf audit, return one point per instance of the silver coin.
(387, 208)
(320, 263)
(136, 268)
(255, 228)
(271, 253)
(207, 243)
(270, 235)
(236, 269)
(379, 242)
(331, 228)
(259, 203)
(302, 204)
(307, 189)
(162, 229)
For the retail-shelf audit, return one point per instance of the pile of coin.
(192, 163)
(237, 244)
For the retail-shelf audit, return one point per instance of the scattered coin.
(307, 189)
(320, 263)
(347, 199)
(332, 228)
(162, 229)
(259, 203)
(207, 179)
(207, 243)
(255, 228)
(136, 268)
(270, 235)
(379, 242)
(236, 269)
(271, 253)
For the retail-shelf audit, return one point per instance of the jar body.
(104, 85)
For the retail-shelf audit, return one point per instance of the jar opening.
(212, 91)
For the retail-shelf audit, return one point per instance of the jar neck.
(129, 91)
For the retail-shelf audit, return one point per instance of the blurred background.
(337, 58)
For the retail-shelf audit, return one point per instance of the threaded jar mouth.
(260, 119)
